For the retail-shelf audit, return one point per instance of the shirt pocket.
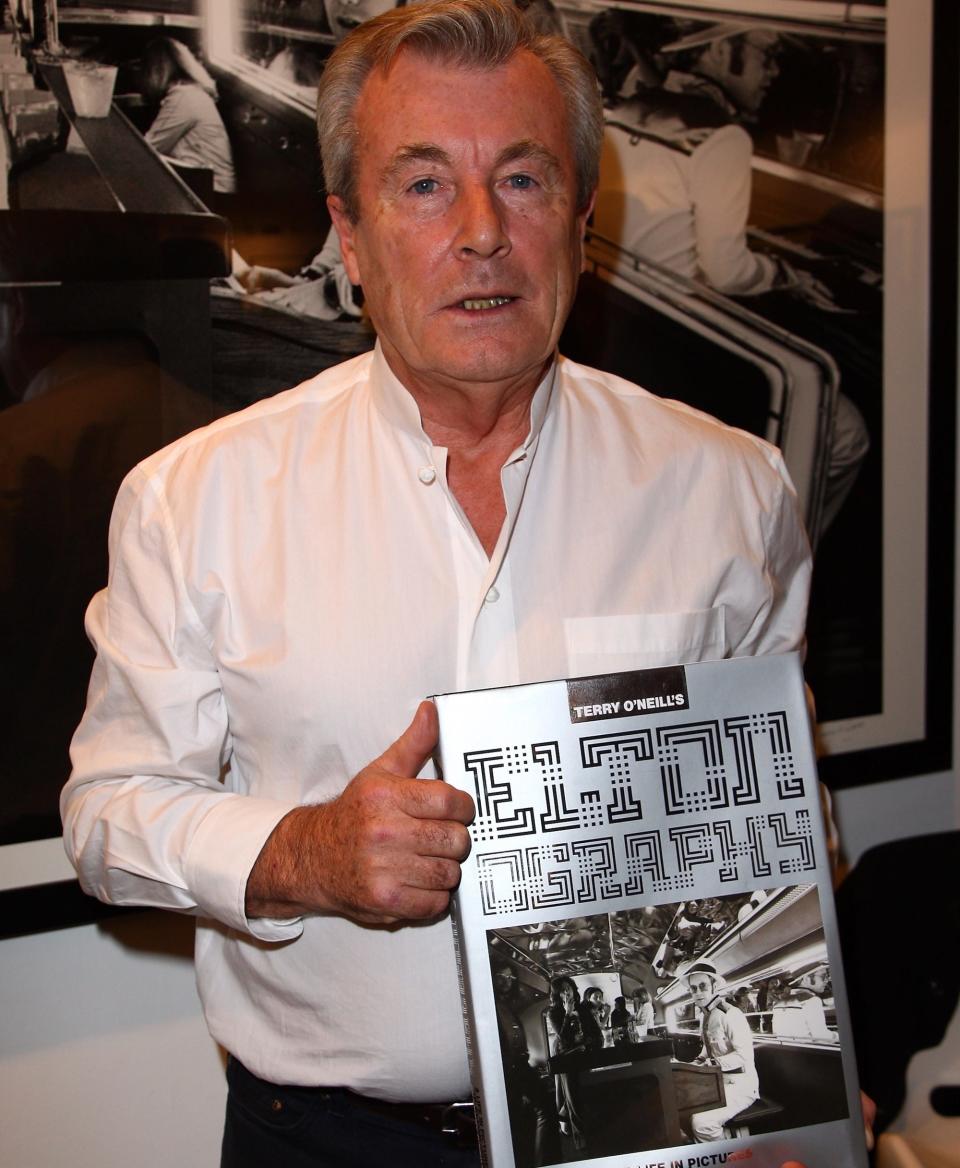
(646, 640)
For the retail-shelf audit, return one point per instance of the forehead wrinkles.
(406, 82)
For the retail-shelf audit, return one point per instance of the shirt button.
(426, 475)
(492, 596)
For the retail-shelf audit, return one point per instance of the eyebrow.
(525, 150)
(414, 153)
(529, 150)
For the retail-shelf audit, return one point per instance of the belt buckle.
(459, 1123)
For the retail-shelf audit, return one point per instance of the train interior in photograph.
(639, 1073)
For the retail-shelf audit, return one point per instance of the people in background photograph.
(345, 15)
(571, 1026)
(679, 194)
(533, 1117)
(620, 1022)
(188, 128)
(642, 1012)
(320, 289)
(598, 1006)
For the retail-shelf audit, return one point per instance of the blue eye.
(424, 186)
(520, 182)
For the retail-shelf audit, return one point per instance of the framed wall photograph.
(848, 115)
(835, 336)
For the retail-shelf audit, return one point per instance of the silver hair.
(480, 34)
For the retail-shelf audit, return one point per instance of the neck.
(480, 424)
(462, 414)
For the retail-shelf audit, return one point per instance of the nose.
(481, 231)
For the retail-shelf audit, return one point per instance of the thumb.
(411, 750)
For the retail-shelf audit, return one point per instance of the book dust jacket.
(645, 925)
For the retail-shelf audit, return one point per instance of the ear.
(346, 230)
(583, 218)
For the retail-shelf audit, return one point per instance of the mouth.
(485, 303)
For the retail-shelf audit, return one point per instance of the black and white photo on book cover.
(645, 925)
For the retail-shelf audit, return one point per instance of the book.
(645, 924)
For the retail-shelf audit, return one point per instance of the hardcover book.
(645, 924)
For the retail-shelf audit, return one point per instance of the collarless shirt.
(287, 584)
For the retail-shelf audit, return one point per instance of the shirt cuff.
(222, 853)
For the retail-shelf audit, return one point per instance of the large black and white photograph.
(168, 258)
(671, 1025)
(752, 219)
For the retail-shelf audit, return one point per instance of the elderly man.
(459, 508)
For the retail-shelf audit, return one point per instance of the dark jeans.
(295, 1127)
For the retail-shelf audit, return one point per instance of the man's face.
(748, 87)
(468, 241)
(701, 988)
(817, 980)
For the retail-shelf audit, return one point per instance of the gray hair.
(480, 34)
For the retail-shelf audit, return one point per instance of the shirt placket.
(487, 652)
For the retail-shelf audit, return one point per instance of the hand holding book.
(388, 848)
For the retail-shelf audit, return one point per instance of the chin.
(474, 360)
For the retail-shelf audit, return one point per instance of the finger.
(443, 839)
(436, 800)
(432, 875)
(869, 1119)
(406, 756)
(420, 905)
(424, 893)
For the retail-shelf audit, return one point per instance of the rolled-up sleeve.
(147, 817)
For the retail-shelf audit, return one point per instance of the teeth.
(491, 302)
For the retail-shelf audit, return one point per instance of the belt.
(457, 1120)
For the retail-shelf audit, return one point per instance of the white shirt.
(287, 584)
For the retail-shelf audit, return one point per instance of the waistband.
(456, 1119)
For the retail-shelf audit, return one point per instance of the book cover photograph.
(645, 925)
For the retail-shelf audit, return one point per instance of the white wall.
(880, 812)
(104, 1058)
